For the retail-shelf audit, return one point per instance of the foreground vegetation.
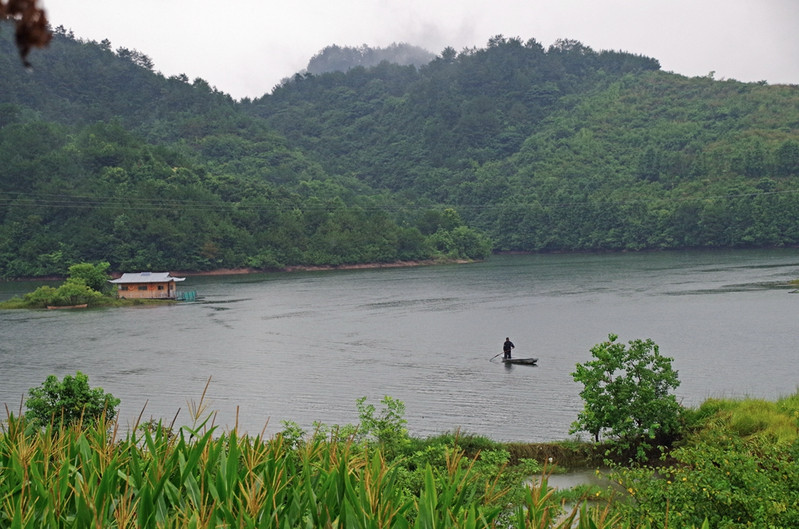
(733, 465)
(82, 476)
(737, 466)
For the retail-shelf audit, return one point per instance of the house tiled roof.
(146, 277)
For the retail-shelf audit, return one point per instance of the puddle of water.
(574, 478)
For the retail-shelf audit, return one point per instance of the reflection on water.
(305, 346)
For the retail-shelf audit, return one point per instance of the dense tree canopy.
(561, 149)
(530, 149)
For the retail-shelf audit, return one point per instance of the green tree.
(754, 160)
(787, 158)
(94, 275)
(470, 243)
(649, 165)
(68, 402)
(627, 393)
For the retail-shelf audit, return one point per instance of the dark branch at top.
(31, 25)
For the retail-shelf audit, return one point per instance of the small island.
(90, 285)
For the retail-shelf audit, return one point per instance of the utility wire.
(60, 200)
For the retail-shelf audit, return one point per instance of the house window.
(123, 287)
(160, 287)
(142, 287)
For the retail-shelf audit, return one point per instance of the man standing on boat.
(506, 348)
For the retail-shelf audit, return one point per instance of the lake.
(303, 346)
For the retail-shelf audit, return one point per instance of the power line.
(63, 201)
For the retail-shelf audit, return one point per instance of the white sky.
(245, 47)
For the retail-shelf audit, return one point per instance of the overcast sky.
(245, 47)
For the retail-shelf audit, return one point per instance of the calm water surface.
(305, 346)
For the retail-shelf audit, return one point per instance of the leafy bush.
(41, 297)
(790, 406)
(73, 291)
(68, 402)
(732, 482)
(471, 444)
(739, 468)
(387, 428)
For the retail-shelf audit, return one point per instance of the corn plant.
(73, 477)
(199, 477)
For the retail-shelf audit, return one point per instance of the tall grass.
(754, 418)
(85, 476)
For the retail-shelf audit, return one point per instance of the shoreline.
(393, 264)
(319, 268)
(292, 268)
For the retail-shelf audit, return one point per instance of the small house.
(150, 285)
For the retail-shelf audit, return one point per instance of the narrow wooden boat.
(56, 307)
(521, 361)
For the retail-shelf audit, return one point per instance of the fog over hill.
(337, 58)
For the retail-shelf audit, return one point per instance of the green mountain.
(561, 149)
(106, 160)
(510, 147)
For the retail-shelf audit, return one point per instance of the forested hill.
(561, 149)
(104, 159)
(392, 124)
(509, 147)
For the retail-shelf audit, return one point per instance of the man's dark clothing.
(506, 347)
